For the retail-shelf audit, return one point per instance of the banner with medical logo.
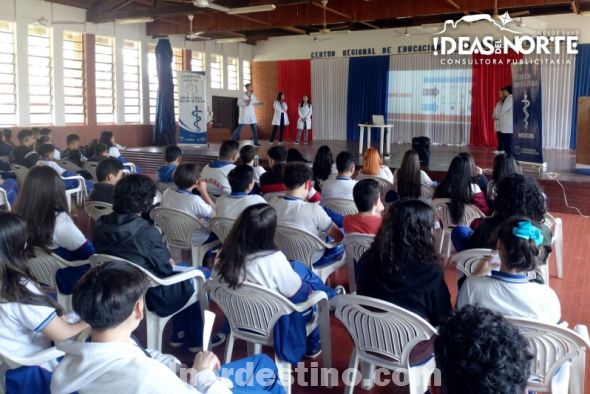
(192, 102)
(527, 107)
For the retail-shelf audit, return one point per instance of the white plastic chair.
(70, 166)
(467, 261)
(90, 166)
(252, 311)
(96, 209)
(130, 167)
(300, 245)
(426, 193)
(221, 227)
(155, 324)
(341, 206)
(178, 228)
(21, 173)
(356, 245)
(44, 267)
(552, 346)
(383, 335)
(384, 184)
(12, 362)
(4, 200)
(443, 215)
(163, 186)
(556, 226)
(79, 191)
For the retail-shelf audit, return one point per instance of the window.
(7, 75)
(216, 69)
(198, 61)
(73, 48)
(246, 72)
(153, 78)
(39, 60)
(105, 80)
(176, 67)
(131, 81)
(233, 66)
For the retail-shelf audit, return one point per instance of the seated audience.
(461, 188)
(8, 181)
(248, 156)
(111, 299)
(215, 173)
(373, 166)
(323, 167)
(241, 180)
(7, 134)
(409, 178)
(294, 211)
(45, 137)
(42, 203)
(5, 146)
(124, 233)
(367, 198)
(257, 260)
(172, 157)
(113, 149)
(342, 185)
(403, 267)
(504, 165)
(294, 155)
(478, 351)
(46, 158)
(25, 154)
(31, 320)
(99, 152)
(508, 291)
(108, 173)
(72, 151)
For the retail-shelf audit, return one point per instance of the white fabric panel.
(329, 95)
(557, 90)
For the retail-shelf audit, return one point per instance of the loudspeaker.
(422, 146)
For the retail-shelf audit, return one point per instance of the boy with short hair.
(172, 157)
(247, 156)
(215, 173)
(100, 153)
(45, 137)
(110, 298)
(367, 198)
(24, 154)
(241, 180)
(72, 151)
(5, 147)
(342, 185)
(108, 173)
(7, 134)
(46, 158)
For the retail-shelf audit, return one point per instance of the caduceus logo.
(525, 108)
(197, 114)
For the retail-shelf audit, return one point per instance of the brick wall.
(264, 82)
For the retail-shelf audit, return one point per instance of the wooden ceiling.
(306, 16)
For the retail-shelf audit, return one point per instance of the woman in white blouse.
(304, 121)
(280, 118)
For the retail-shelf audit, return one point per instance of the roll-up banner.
(192, 101)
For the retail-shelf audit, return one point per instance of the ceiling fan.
(231, 11)
(42, 21)
(193, 36)
(325, 30)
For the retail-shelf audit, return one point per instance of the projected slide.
(430, 96)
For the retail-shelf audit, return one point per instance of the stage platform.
(560, 166)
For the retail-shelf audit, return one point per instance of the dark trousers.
(499, 137)
(281, 129)
(506, 143)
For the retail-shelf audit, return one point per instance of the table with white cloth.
(385, 131)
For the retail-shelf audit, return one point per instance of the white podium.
(385, 131)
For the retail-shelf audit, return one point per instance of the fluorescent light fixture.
(251, 9)
(134, 20)
(230, 40)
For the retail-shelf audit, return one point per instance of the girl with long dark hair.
(323, 166)
(280, 118)
(304, 121)
(409, 178)
(504, 165)
(402, 266)
(108, 138)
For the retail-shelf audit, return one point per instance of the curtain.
(427, 98)
(165, 128)
(294, 79)
(490, 73)
(557, 89)
(581, 86)
(329, 90)
(367, 91)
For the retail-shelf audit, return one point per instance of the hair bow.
(526, 230)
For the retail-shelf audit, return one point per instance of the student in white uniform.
(506, 121)
(496, 116)
(247, 116)
(241, 180)
(248, 156)
(29, 320)
(304, 121)
(280, 118)
(46, 158)
(373, 166)
(111, 299)
(342, 185)
(215, 173)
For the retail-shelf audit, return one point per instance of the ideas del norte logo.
(543, 43)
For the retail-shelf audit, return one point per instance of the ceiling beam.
(372, 26)
(331, 10)
(74, 3)
(122, 4)
(142, 12)
(294, 30)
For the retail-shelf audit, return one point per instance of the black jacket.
(417, 287)
(134, 239)
(24, 156)
(73, 155)
(102, 192)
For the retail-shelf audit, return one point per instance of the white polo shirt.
(185, 201)
(258, 171)
(511, 295)
(271, 269)
(339, 187)
(66, 234)
(294, 212)
(215, 175)
(232, 206)
(50, 163)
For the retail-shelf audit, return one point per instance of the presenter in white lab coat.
(280, 119)
(496, 116)
(506, 121)
(304, 122)
(247, 103)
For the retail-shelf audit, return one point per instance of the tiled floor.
(572, 290)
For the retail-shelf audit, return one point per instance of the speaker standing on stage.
(246, 103)
(280, 118)
(304, 122)
(496, 116)
(506, 121)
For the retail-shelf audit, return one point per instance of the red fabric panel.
(294, 79)
(487, 80)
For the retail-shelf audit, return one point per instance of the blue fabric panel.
(581, 86)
